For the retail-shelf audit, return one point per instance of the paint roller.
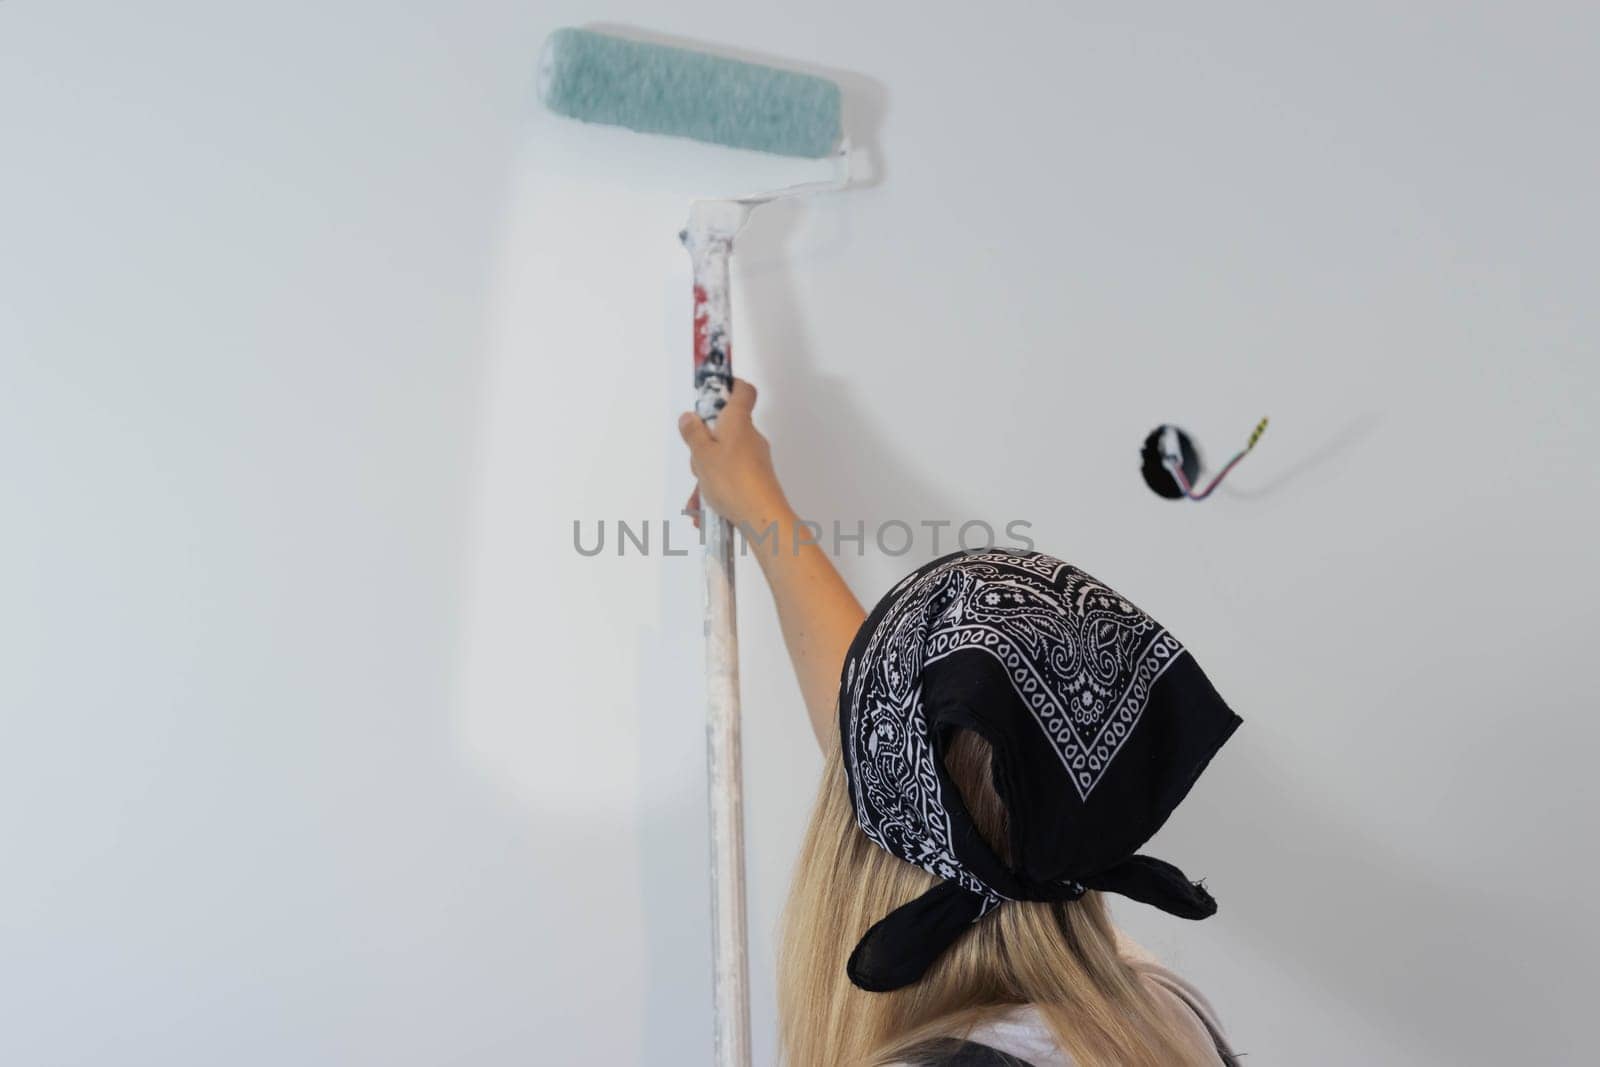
(653, 88)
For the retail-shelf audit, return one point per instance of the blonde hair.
(1060, 957)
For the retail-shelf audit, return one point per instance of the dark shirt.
(953, 1052)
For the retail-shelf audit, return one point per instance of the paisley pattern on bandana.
(1080, 656)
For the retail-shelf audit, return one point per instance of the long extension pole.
(709, 247)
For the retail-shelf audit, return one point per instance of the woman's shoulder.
(1199, 1014)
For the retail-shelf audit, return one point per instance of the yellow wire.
(1261, 428)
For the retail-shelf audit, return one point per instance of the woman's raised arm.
(818, 613)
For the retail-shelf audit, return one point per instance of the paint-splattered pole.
(709, 239)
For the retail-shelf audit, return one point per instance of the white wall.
(322, 745)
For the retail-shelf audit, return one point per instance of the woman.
(1001, 735)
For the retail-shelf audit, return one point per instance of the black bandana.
(1098, 719)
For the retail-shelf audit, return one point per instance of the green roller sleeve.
(652, 88)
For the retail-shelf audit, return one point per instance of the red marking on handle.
(702, 342)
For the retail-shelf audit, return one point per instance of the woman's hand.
(816, 610)
(734, 464)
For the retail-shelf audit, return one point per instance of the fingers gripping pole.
(709, 239)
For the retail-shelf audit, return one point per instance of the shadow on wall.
(1351, 434)
(1375, 932)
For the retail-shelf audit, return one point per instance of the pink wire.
(1183, 480)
